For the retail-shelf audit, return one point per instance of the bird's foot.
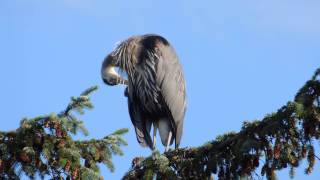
(155, 154)
(168, 149)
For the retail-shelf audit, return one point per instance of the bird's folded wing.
(171, 82)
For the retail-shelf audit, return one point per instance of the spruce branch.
(283, 139)
(43, 146)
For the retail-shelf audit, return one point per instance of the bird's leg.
(154, 135)
(168, 141)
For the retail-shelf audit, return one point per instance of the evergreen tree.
(44, 146)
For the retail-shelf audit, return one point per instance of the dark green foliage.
(280, 140)
(44, 146)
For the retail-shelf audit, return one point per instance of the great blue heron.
(155, 87)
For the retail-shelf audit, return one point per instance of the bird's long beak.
(109, 74)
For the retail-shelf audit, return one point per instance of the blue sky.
(241, 59)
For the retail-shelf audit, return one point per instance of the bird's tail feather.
(143, 135)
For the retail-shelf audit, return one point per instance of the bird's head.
(109, 70)
(123, 60)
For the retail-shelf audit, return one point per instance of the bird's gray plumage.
(155, 86)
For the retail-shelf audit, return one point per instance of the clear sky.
(241, 59)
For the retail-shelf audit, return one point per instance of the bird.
(155, 87)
